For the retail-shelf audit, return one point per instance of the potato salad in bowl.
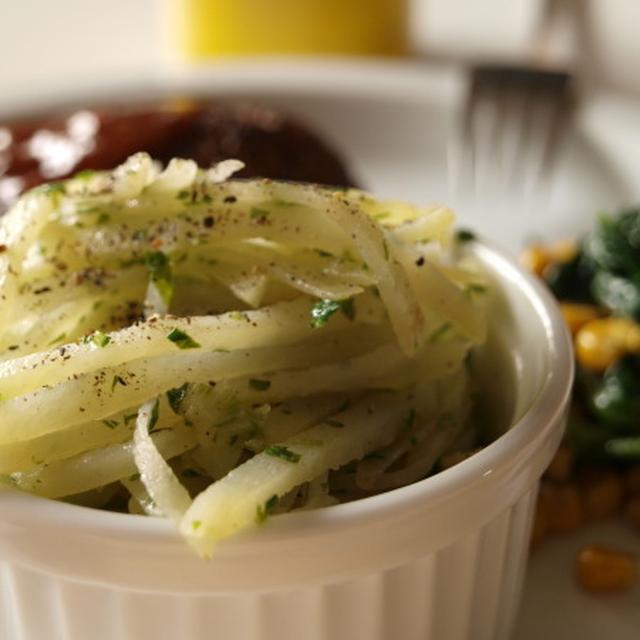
(181, 344)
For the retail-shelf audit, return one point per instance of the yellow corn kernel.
(632, 339)
(601, 342)
(601, 570)
(563, 250)
(535, 258)
(576, 315)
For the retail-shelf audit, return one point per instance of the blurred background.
(68, 43)
(380, 80)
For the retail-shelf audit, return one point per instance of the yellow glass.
(207, 28)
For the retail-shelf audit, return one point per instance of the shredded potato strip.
(116, 244)
(433, 227)
(280, 324)
(24, 455)
(170, 496)
(164, 489)
(362, 372)
(375, 248)
(236, 501)
(441, 413)
(19, 228)
(221, 444)
(97, 395)
(437, 294)
(98, 467)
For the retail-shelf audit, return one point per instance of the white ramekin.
(442, 559)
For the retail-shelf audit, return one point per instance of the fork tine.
(512, 124)
(560, 117)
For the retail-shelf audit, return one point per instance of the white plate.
(393, 122)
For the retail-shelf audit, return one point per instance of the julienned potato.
(215, 351)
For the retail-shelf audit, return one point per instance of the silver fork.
(515, 117)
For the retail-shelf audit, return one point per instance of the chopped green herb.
(323, 310)
(440, 332)
(98, 338)
(324, 254)
(259, 385)
(332, 422)
(153, 416)
(117, 380)
(385, 246)
(283, 203)
(262, 511)
(52, 187)
(101, 339)
(183, 195)
(13, 347)
(176, 396)
(134, 477)
(112, 424)
(476, 288)
(182, 340)
(278, 451)
(159, 268)
(85, 174)
(464, 235)
(409, 420)
(259, 214)
(139, 235)
(103, 218)
(196, 524)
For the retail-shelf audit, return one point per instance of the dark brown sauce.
(271, 145)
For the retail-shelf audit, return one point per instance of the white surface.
(550, 590)
(443, 558)
(392, 122)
